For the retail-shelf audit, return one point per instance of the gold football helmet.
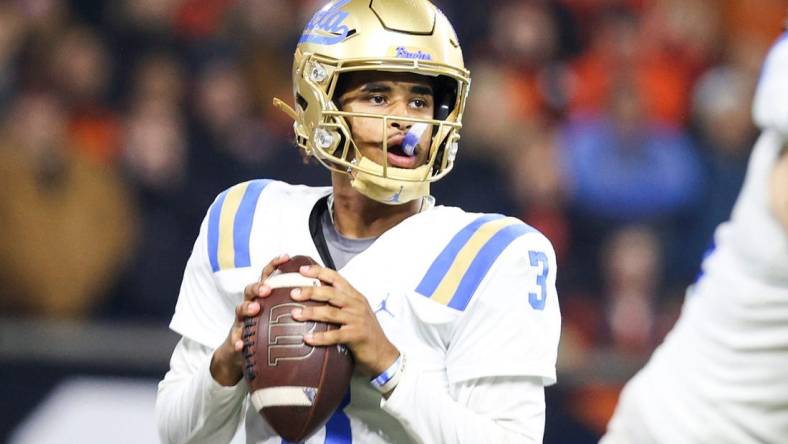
(383, 35)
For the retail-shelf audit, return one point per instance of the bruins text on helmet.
(380, 35)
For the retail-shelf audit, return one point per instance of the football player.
(720, 375)
(452, 317)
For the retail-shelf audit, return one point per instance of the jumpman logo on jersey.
(395, 197)
(382, 306)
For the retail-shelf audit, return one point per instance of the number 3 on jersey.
(539, 259)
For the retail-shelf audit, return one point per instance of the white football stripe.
(287, 280)
(282, 396)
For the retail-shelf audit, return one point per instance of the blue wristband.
(385, 381)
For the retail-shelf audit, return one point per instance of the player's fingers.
(246, 309)
(250, 290)
(322, 313)
(323, 293)
(273, 265)
(236, 338)
(329, 337)
(256, 290)
(326, 275)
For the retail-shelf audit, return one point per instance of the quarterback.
(458, 310)
(721, 374)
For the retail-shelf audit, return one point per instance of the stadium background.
(620, 128)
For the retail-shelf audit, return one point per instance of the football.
(294, 386)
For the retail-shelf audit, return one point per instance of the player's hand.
(227, 364)
(359, 328)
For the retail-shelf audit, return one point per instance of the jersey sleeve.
(202, 313)
(191, 406)
(512, 325)
(473, 411)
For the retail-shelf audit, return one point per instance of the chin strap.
(427, 203)
(402, 186)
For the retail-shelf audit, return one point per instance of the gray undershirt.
(341, 248)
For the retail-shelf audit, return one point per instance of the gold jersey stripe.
(226, 245)
(450, 282)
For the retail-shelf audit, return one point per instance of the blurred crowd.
(619, 128)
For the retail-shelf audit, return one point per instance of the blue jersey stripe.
(214, 214)
(338, 426)
(242, 225)
(444, 260)
(483, 261)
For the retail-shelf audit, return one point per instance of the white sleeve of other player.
(191, 407)
(770, 105)
(502, 355)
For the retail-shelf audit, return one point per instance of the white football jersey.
(721, 375)
(769, 108)
(463, 295)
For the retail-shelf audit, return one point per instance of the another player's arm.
(779, 189)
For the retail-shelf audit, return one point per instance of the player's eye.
(377, 99)
(419, 103)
